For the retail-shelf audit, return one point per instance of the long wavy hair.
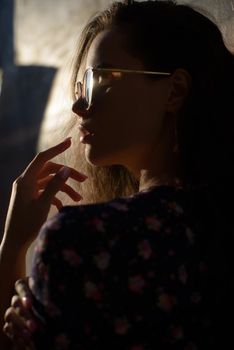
(167, 36)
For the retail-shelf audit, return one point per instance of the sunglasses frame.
(80, 85)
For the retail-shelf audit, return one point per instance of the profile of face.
(127, 123)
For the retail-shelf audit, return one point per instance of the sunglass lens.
(88, 86)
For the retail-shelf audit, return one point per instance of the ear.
(178, 92)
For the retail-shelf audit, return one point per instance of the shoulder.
(161, 199)
(153, 210)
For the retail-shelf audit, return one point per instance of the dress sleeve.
(98, 284)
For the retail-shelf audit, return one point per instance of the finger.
(44, 182)
(64, 188)
(23, 290)
(18, 336)
(8, 330)
(16, 301)
(71, 192)
(54, 186)
(54, 201)
(51, 167)
(57, 203)
(41, 184)
(12, 317)
(19, 307)
(41, 158)
(20, 323)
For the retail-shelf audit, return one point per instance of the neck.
(161, 171)
(157, 164)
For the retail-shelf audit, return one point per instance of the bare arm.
(32, 195)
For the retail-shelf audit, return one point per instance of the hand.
(20, 322)
(34, 192)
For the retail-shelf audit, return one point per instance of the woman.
(139, 270)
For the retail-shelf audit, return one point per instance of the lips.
(85, 130)
(86, 134)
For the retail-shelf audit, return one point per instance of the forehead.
(109, 48)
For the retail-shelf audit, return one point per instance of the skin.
(133, 125)
(33, 192)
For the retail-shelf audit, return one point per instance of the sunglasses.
(98, 81)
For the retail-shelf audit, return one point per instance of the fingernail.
(26, 302)
(83, 177)
(66, 142)
(78, 197)
(31, 325)
(64, 172)
(68, 138)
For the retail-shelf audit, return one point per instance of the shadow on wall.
(24, 96)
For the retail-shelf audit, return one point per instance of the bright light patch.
(117, 74)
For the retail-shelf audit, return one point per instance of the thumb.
(23, 290)
(55, 185)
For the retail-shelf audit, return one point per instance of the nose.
(80, 107)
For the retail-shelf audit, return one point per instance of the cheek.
(146, 112)
(143, 121)
(129, 127)
(150, 112)
(130, 117)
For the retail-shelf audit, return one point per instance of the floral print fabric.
(125, 274)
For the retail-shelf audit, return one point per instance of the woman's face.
(127, 121)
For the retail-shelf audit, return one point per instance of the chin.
(98, 158)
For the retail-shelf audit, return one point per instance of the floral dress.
(125, 274)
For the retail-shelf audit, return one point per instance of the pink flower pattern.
(71, 257)
(121, 326)
(183, 275)
(136, 283)
(102, 260)
(153, 223)
(92, 291)
(98, 224)
(62, 341)
(122, 268)
(144, 249)
(53, 310)
(176, 332)
(137, 347)
(120, 206)
(166, 302)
